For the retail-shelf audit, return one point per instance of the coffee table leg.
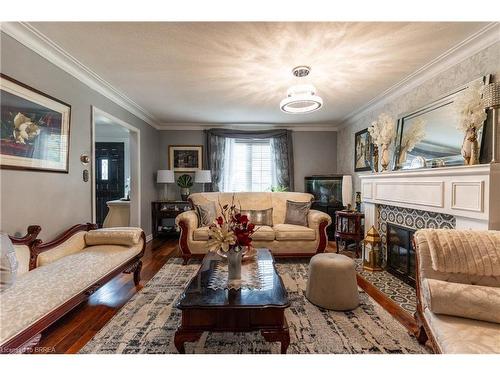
(281, 335)
(182, 336)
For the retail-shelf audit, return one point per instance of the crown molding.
(248, 126)
(478, 41)
(33, 39)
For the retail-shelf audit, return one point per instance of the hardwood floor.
(74, 330)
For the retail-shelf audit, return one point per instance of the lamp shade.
(165, 176)
(347, 190)
(202, 177)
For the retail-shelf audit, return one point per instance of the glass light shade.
(347, 190)
(301, 99)
(165, 176)
(202, 177)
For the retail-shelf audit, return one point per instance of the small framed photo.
(34, 128)
(362, 151)
(185, 158)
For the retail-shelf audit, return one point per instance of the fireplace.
(400, 253)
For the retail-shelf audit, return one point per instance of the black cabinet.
(163, 217)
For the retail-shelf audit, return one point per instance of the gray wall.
(314, 153)
(485, 62)
(56, 200)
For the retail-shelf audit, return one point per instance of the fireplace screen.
(400, 253)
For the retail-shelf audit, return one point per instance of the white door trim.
(135, 171)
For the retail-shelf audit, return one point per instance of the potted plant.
(185, 182)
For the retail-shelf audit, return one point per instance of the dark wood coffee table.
(243, 310)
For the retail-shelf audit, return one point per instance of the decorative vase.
(234, 256)
(375, 159)
(184, 193)
(384, 160)
(470, 147)
(403, 154)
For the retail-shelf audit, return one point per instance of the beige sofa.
(446, 301)
(282, 239)
(54, 277)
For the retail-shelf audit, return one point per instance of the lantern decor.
(372, 251)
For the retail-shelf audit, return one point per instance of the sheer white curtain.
(248, 165)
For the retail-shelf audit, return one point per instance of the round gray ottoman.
(332, 282)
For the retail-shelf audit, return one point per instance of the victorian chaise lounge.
(54, 277)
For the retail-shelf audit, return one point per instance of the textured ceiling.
(238, 72)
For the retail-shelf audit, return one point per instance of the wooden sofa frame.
(30, 336)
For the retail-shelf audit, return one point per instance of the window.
(104, 169)
(248, 165)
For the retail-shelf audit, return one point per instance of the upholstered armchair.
(458, 290)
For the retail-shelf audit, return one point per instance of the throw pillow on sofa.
(259, 217)
(8, 263)
(297, 212)
(207, 213)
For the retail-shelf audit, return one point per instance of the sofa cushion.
(113, 236)
(200, 234)
(463, 300)
(42, 290)
(259, 217)
(263, 233)
(8, 263)
(207, 213)
(456, 335)
(290, 232)
(297, 213)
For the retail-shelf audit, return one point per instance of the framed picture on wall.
(362, 151)
(185, 158)
(34, 128)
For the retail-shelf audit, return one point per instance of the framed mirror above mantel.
(436, 140)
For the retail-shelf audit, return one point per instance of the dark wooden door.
(110, 176)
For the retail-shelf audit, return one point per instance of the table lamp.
(347, 192)
(491, 100)
(203, 177)
(165, 176)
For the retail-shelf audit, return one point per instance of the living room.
(193, 186)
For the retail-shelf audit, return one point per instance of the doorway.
(115, 167)
(110, 176)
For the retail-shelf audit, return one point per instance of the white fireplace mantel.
(470, 193)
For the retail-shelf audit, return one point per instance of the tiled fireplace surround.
(451, 197)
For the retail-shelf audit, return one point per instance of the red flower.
(220, 220)
(243, 219)
(250, 227)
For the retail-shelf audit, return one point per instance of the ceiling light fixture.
(301, 98)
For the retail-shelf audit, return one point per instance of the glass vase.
(234, 256)
(384, 158)
(375, 159)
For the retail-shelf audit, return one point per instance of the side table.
(163, 217)
(349, 226)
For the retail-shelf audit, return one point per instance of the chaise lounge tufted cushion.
(40, 291)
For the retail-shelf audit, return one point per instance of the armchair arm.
(316, 217)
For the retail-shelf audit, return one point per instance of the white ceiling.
(215, 72)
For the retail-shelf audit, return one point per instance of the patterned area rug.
(147, 323)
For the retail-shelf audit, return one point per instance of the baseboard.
(149, 238)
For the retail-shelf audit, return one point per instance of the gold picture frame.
(185, 158)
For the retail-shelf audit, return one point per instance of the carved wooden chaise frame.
(31, 335)
(186, 253)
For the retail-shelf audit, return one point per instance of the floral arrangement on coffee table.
(230, 231)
